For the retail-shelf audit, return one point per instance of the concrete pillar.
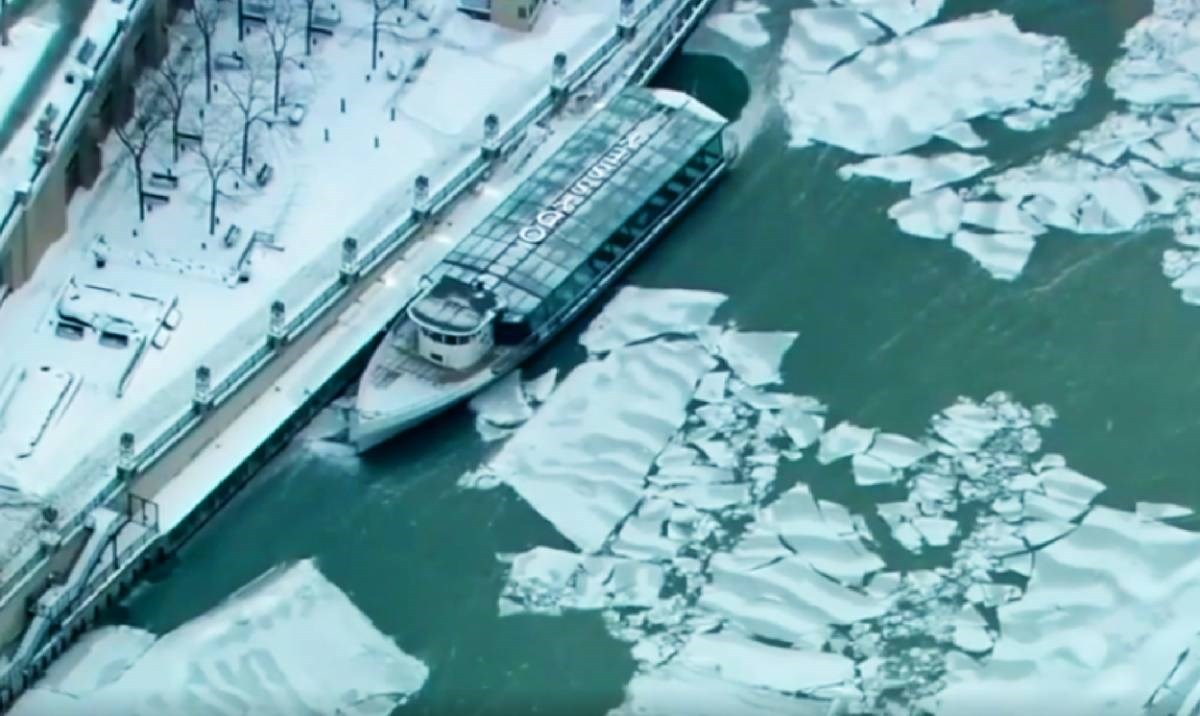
(421, 198)
(277, 331)
(202, 400)
(491, 137)
(558, 77)
(349, 270)
(626, 20)
(126, 459)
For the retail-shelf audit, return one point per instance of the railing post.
(202, 399)
(558, 78)
(349, 270)
(126, 460)
(421, 198)
(626, 21)
(277, 329)
(491, 137)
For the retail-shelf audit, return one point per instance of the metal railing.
(168, 425)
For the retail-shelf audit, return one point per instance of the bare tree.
(137, 135)
(173, 79)
(309, 7)
(378, 7)
(282, 25)
(205, 15)
(248, 92)
(217, 155)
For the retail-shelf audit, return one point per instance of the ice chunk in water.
(685, 689)
(539, 389)
(1161, 511)
(582, 459)
(98, 659)
(925, 173)
(900, 16)
(897, 95)
(935, 215)
(821, 37)
(503, 404)
(962, 134)
(843, 440)
(290, 642)
(1005, 216)
(755, 357)
(1066, 484)
(897, 450)
(712, 387)
(548, 580)
(870, 470)
(742, 25)
(757, 664)
(636, 314)
(1002, 255)
(802, 425)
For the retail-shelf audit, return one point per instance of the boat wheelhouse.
(542, 255)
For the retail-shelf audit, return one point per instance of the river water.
(891, 328)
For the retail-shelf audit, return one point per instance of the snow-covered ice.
(897, 95)
(636, 314)
(1002, 255)
(742, 24)
(289, 642)
(924, 173)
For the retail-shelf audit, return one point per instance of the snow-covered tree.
(282, 24)
(378, 8)
(3, 22)
(217, 154)
(137, 134)
(173, 78)
(248, 88)
(206, 14)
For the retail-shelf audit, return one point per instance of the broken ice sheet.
(637, 314)
(503, 403)
(935, 215)
(1108, 612)
(870, 471)
(962, 134)
(712, 387)
(538, 389)
(897, 450)
(754, 663)
(1002, 255)
(743, 24)
(289, 642)
(582, 459)
(924, 173)
(843, 440)
(896, 95)
(677, 688)
(900, 16)
(545, 580)
(755, 357)
(821, 37)
(1161, 511)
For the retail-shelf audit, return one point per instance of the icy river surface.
(902, 419)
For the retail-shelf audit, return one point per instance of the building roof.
(452, 306)
(568, 207)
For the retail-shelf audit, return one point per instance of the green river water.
(892, 329)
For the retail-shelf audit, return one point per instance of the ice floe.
(636, 314)
(924, 173)
(898, 94)
(740, 592)
(743, 24)
(289, 642)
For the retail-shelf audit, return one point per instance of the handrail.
(450, 190)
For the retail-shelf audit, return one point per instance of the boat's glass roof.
(622, 155)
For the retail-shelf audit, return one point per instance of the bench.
(165, 180)
(263, 177)
(153, 199)
(231, 236)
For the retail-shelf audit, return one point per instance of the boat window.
(437, 357)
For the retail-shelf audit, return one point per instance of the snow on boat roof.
(559, 216)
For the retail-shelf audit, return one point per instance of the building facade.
(513, 14)
(35, 215)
